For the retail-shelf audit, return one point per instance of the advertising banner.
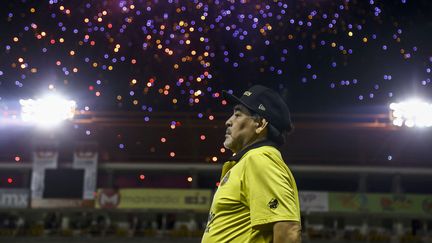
(62, 203)
(186, 199)
(43, 158)
(381, 203)
(87, 160)
(14, 198)
(311, 201)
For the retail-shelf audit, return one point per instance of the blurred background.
(112, 119)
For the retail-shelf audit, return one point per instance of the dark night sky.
(170, 55)
(233, 44)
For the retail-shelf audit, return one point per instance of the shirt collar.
(240, 154)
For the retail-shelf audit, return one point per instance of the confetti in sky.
(172, 55)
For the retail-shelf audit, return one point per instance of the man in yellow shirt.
(257, 199)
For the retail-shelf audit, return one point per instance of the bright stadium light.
(412, 113)
(48, 111)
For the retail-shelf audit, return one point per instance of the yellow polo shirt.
(259, 189)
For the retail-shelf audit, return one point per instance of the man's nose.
(228, 122)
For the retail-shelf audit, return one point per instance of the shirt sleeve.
(270, 190)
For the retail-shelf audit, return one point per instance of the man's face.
(240, 131)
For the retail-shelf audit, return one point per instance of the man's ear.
(261, 125)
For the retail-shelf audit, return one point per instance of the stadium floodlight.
(412, 113)
(48, 111)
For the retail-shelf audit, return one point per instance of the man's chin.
(227, 144)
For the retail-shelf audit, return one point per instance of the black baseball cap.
(267, 103)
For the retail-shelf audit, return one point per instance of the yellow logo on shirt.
(273, 204)
(225, 179)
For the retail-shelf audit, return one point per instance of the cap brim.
(230, 98)
(234, 100)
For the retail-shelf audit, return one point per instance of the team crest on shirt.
(273, 204)
(225, 178)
